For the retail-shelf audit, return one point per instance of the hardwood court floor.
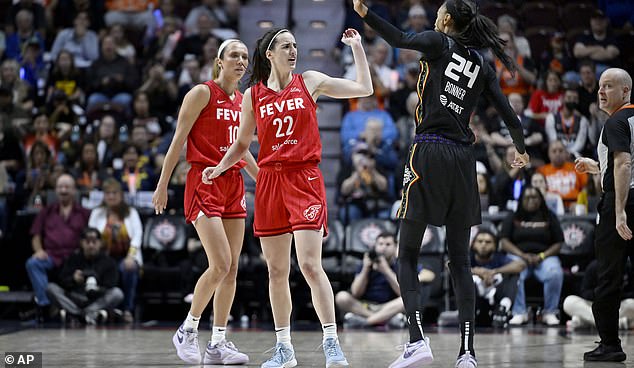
(530, 347)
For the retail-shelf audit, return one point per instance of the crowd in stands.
(89, 92)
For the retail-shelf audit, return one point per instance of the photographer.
(88, 281)
(365, 191)
(374, 296)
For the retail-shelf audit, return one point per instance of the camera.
(373, 255)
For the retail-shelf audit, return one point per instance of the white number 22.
(280, 126)
(463, 66)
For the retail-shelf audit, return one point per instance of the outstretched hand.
(360, 7)
(521, 160)
(350, 36)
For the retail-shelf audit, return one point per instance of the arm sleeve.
(430, 43)
(494, 94)
(617, 133)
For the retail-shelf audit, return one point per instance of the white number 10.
(463, 67)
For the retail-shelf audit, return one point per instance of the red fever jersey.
(215, 129)
(287, 124)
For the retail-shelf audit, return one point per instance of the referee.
(613, 236)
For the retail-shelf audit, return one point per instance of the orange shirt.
(564, 181)
(129, 5)
(508, 83)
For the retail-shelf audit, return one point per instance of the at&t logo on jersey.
(312, 212)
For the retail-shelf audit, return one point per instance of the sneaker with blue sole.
(334, 354)
(186, 344)
(283, 357)
(415, 354)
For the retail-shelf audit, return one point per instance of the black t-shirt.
(532, 234)
(616, 136)
(589, 40)
(452, 78)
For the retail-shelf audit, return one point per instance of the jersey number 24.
(463, 66)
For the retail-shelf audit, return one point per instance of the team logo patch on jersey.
(312, 212)
(243, 203)
(443, 100)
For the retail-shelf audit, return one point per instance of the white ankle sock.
(218, 334)
(191, 322)
(283, 334)
(330, 330)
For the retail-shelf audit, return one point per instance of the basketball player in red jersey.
(209, 120)
(290, 197)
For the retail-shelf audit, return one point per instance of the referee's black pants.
(611, 252)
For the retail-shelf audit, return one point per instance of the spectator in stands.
(37, 174)
(65, 77)
(533, 234)
(557, 57)
(212, 9)
(507, 180)
(137, 173)
(579, 307)
(378, 57)
(589, 88)
(163, 42)
(193, 43)
(553, 200)
(568, 125)
(500, 137)
(42, 131)
(33, 70)
(87, 170)
(124, 47)
(560, 174)
(62, 110)
(36, 10)
(25, 31)
(107, 140)
(61, 14)
(88, 280)
(161, 93)
(374, 296)
(508, 24)
(23, 94)
(354, 122)
(122, 231)
(55, 235)
(112, 79)
(525, 76)
(144, 116)
(599, 46)
(209, 52)
(134, 13)
(11, 154)
(81, 42)
(366, 190)
(417, 20)
(495, 276)
(546, 100)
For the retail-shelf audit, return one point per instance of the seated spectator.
(599, 46)
(25, 31)
(495, 276)
(23, 94)
(81, 42)
(112, 79)
(377, 59)
(35, 8)
(560, 174)
(557, 57)
(212, 9)
(546, 100)
(506, 180)
(124, 47)
(87, 287)
(533, 235)
(193, 43)
(136, 174)
(374, 296)
(107, 140)
(162, 43)
(500, 137)
(55, 235)
(37, 174)
(33, 70)
(508, 24)
(365, 191)
(553, 200)
(65, 77)
(137, 14)
(189, 76)
(579, 307)
(354, 123)
(87, 170)
(122, 231)
(160, 92)
(522, 81)
(568, 125)
(42, 131)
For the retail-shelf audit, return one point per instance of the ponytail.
(477, 31)
(215, 72)
(261, 64)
